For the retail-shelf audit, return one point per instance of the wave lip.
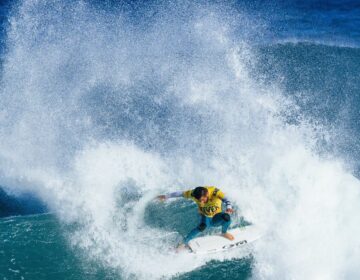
(24, 204)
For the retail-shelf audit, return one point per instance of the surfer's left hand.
(229, 211)
(161, 197)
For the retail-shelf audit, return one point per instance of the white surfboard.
(216, 243)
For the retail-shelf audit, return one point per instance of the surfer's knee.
(226, 217)
(202, 227)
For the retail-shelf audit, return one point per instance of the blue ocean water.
(106, 104)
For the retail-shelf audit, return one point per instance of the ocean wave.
(330, 43)
(21, 204)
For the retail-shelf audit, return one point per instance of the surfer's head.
(201, 194)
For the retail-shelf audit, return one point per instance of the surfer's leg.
(226, 222)
(223, 220)
(204, 223)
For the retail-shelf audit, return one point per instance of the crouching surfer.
(209, 201)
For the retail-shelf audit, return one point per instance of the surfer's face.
(204, 198)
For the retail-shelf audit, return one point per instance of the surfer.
(209, 201)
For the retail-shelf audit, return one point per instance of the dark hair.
(198, 192)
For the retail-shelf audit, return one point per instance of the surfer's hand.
(161, 197)
(229, 211)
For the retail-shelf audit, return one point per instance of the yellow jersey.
(214, 203)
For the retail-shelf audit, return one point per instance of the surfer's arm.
(224, 199)
(174, 194)
(227, 203)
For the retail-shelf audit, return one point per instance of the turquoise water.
(35, 247)
(24, 240)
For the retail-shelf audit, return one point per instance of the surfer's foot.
(181, 247)
(228, 236)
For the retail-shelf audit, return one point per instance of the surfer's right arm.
(171, 195)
